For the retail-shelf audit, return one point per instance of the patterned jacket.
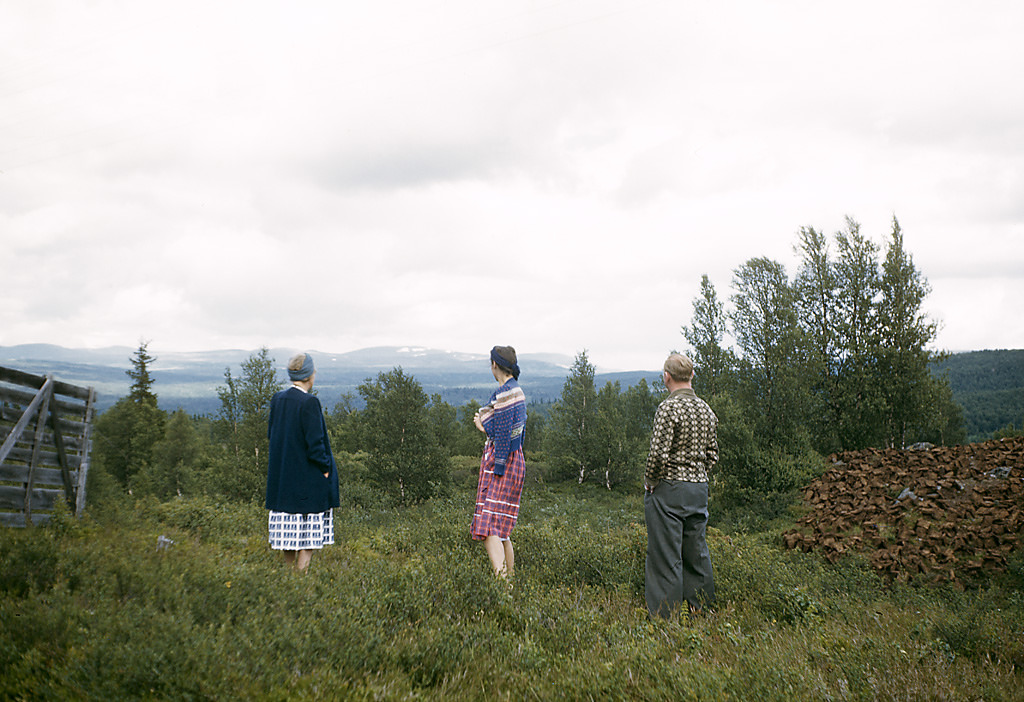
(684, 441)
(504, 419)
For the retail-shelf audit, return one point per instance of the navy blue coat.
(300, 454)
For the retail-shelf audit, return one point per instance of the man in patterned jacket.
(684, 447)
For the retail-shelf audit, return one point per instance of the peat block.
(934, 514)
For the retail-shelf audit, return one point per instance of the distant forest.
(989, 385)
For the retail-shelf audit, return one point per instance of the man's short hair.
(679, 367)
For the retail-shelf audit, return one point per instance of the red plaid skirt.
(497, 496)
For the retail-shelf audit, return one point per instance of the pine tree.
(176, 461)
(126, 433)
(904, 332)
(141, 390)
(705, 334)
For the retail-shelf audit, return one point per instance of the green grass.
(404, 607)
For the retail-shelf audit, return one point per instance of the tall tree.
(904, 334)
(405, 460)
(141, 390)
(705, 333)
(613, 459)
(774, 375)
(444, 422)
(176, 461)
(572, 432)
(126, 433)
(343, 424)
(245, 410)
(816, 290)
(470, 441)
(859, 383)
(858, 285)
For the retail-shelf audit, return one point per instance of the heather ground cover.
(404, 607)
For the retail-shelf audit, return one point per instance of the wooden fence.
(44, 456)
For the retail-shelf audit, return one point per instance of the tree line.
(836, 357)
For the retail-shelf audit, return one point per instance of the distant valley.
(989, 385)
(190, 380)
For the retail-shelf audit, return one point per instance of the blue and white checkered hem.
(298, 532)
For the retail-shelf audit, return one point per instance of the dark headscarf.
(505, 357)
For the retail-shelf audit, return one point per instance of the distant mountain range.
(989, 385)
(190, 380)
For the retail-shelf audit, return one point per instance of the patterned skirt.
(298, 532)
(497, 496)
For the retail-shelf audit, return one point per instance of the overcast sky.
(457, 174)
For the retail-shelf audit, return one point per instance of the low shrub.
(405, 606)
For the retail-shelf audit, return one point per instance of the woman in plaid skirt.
(503, 467)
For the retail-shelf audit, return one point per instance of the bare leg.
(510, 557)
(298, 560)
(496, 552)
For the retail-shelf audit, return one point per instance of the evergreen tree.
(141, 390)
(705, 334)
(904, 333)
(126, 432)
(176, 465)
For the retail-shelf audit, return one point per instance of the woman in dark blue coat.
(302, 480)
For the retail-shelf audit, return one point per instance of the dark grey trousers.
(678, 562)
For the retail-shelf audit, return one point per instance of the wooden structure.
(44, 455)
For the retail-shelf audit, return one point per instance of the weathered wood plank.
(73, 410)
(72, 443)
(23, 454)
(62, 458)
(83, 467)
(37, 442)
(10, 473)
(12, 497)
(17, 396)
(18, 377)
(50, 461)
(17, 519)
(26, 417)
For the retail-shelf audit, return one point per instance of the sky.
(556, 176)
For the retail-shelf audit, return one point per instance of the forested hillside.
(989, 385)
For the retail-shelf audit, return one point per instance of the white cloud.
(555, 175)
